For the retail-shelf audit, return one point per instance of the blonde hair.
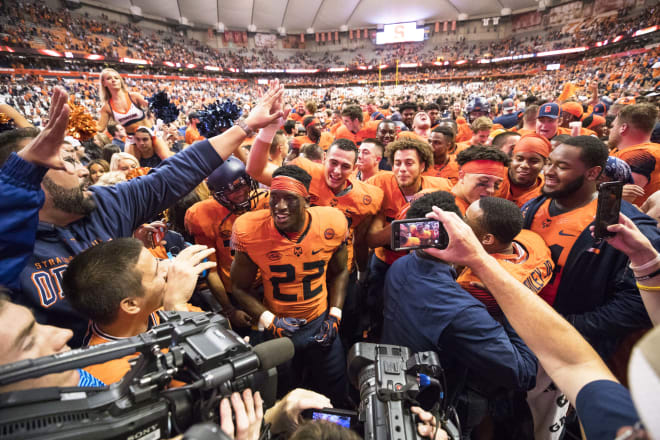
(111, 178)
(104, 92)
(114, 160)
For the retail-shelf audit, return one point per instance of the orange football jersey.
(293, 272)
(112, 371)
(368, 131)
(211, 224)
(643, 159)
(560, 233)
(395, 200)
(531, 264)
(358, 203)
(449, 171)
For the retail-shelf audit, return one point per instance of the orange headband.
(490, 167)
(533, 143)
(285, 183)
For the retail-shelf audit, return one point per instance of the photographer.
(427, 310)
(604, 406)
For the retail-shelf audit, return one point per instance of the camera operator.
(603, 405)
(427, 310)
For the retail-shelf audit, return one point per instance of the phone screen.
(344, 421)
(418, 234)
(609, 205)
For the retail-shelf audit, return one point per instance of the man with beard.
(524, 180)
(314, 135)
(71, 220)
(591, 285)
(408, 110)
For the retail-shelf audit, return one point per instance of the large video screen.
(400, 33)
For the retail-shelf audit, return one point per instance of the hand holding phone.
(609, 205)
(418, 233)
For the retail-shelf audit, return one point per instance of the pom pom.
(161, 106)
(6, 123)
(218, 117)
(82, 125)
(137, 172)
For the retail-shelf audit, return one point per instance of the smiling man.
(547, 121)
(591, 285)
(524, 181)
(302, 256)
(481, 174)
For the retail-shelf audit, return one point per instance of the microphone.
(274, 352)
(268, 354)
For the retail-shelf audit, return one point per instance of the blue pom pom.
(161, 106)
(218, 117)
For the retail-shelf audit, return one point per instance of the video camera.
(390, 381)
(212, 360)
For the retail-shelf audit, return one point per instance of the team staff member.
(497, 223)
(314, 135)
(304, 276)
(211, 221)
(481, 173)
(524, 180)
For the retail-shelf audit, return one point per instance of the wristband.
(646, 265)
(649, 288)
(336, 312)
(649, 276)
(265, 320)
(267, 133)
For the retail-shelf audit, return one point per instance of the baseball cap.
(600, 109)
(194, 115)
(574, 108)
(549, 110)
(507, 105)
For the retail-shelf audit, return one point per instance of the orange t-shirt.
(531, 264)
(360, 202)
(411, 135)
(211, 224)
(560, 233)
(395, 200)
(449, 171)
(368, 131)
(192, 135)
(293, 272)
(324, 142)
(643, 159)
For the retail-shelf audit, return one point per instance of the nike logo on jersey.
(316, 251)
(561, 232)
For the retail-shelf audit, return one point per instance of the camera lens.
(367, 381)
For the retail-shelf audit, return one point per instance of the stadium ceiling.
(297, 16)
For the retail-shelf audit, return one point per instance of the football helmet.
(232, 187)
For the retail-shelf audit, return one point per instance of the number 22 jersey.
(293, 271)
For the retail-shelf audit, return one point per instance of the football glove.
(328, 331)
(285, 326)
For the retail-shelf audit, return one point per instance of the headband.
(490, 167)
(285, 183)
(533, 143)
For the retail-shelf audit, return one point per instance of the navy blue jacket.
(21, 197)
(426, 309)
(120, 210)
(507, 121)
(597, 292)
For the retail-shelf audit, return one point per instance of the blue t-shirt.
(604, 407)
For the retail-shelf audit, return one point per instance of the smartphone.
(609, 205)
(342, 417)
(157, 235)
(418, 233)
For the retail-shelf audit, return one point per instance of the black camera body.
(212, 360)
(390, 381)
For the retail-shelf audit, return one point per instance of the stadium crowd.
(115, 206)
